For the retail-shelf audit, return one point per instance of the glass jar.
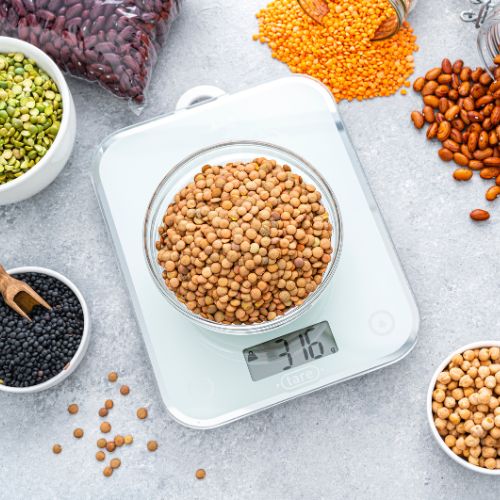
(183, 173)
(391, 26)
(318, 9)
(488, 40)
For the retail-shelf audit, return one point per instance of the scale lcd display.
(289, 351)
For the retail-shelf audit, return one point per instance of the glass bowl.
(220, 154)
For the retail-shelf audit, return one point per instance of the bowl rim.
(82, 348)
(250, 328)
(49, 66)
(430, 417)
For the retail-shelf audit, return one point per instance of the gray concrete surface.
(365, 439)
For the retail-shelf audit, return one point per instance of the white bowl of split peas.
(463, 406)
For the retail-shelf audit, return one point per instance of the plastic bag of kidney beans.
(112, 42)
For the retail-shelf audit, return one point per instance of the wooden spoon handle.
(4, 280)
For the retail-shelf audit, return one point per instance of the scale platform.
(365, 320)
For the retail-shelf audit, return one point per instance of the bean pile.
(30, 115)
(243, 243)
(114, 43)
(340, 51)
(36, 351)
(462, 111)
(466, 406)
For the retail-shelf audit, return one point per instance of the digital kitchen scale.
(366, 319)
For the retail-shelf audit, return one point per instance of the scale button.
(382, 323)
(299, 378)
(202, 388)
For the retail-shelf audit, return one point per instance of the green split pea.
(30, 115)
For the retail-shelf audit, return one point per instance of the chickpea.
(491, 463)
(456, 373)
(439, 395)
(450, 402)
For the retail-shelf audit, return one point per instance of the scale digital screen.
(289, 351)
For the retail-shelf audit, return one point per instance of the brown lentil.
(129, 439)
(239, 260)
(108, 404)
(78, 433)
(142, 413)
(103, 412)
(57, 448)
(119, 440)
(73, 409)
(152, 445)
(101, 443)
(200, 474)
(115, 463)
(112, 376)
(108, 471)
(124, 390)
(105, 427)
(466, 406)
(111, 446)
(100, 456)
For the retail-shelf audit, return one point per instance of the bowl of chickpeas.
(463, 406)
(242, 237)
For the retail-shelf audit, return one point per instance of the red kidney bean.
(74, 11)
(112, 41)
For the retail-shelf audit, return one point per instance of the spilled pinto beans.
(461, 108)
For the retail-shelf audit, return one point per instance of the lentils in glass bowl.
(243, 237)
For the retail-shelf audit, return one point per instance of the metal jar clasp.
(478, 16)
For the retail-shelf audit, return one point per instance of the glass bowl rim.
(245, 328)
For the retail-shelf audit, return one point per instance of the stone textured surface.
(367, 438)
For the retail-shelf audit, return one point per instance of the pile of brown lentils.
(466, 406)
(245, 242)
(462, 111)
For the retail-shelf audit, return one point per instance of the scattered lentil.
(111, 446)
(243, 243)
(142, 413)
(78, 433)
(129, 439)
(108, 471)
(152, 445)
(101, 443)
(73, 409)
(112, 376)
(105, 427)
(115, 463)
(57, 448)
(340, 52)
(30, 115)
(200, 474)
(103, 412)
(119, 440)
(124, 390)
(100, 456)
(108, 404)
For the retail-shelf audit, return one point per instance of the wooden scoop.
(318, 9)
(18, 295)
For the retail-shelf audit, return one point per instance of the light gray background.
(367, 438)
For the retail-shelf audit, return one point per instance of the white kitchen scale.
(366, 319)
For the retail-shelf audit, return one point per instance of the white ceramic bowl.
(430, 417)
(49, 167)
(82, 348)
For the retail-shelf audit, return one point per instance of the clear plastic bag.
(112, 42)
